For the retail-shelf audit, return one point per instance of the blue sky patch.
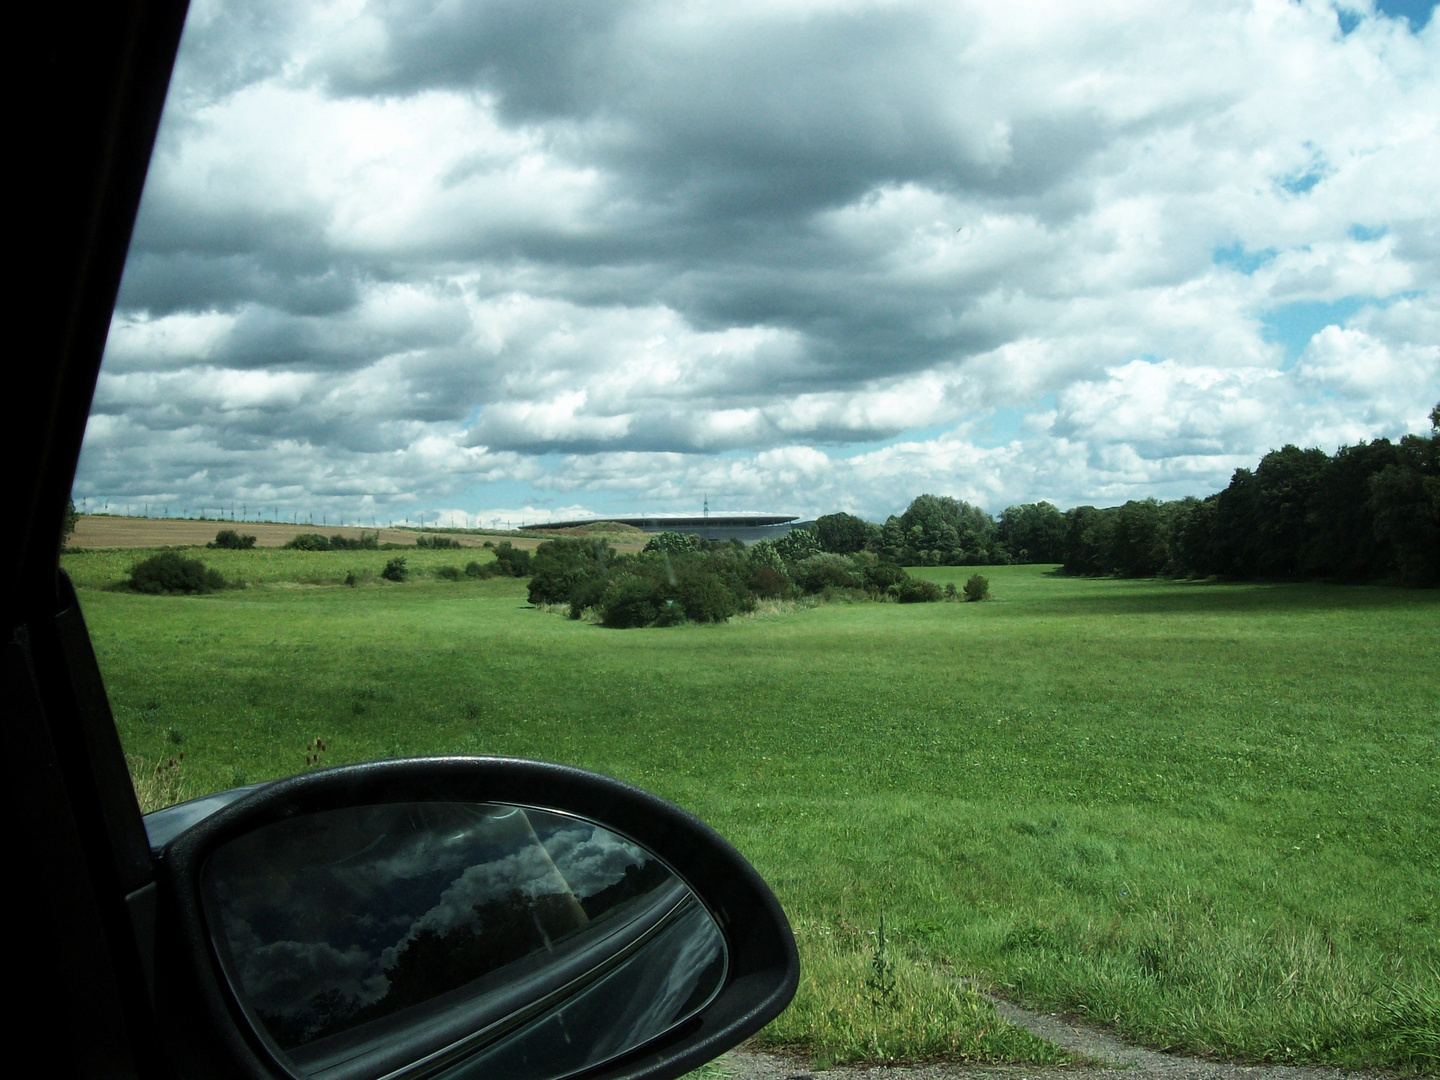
(1367, 233)
(1299, 183)
(1293, 325)
(934, 431)
(1417, 12)
(1247, 262)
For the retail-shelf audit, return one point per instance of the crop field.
(104, 531)
(1206, 815)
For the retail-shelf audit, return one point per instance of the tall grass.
(860, 1001)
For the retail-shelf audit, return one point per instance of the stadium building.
(745, 527)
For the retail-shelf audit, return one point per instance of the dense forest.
(1369, 512)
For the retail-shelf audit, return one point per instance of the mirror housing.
(216, 1034)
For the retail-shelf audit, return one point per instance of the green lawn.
(1208, 815)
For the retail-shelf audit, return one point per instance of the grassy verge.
(1208, 815)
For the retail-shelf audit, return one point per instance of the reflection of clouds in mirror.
(280, 977)
(579, 859)
(592, 859)
(330, 915)
(528, 872)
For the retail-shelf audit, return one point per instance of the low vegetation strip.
(1205, 815)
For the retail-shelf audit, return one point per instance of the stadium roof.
(651, 522)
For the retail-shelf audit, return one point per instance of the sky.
(492, 262)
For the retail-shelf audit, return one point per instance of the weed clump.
(170, 572)
(886, 1007)
(159, 786)
(395, 569)
(448, 573)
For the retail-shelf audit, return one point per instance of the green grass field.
(1206, 815)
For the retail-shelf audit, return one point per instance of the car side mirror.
(468, 917)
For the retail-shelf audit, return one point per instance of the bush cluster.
(170, 572)
(436, 542)
(316, 542)
(230, 540)
(679, 578)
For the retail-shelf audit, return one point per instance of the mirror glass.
(455, 940)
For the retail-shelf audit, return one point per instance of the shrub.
(169, 572)
(825, 570)
(768, 583)
(474, 570)
(363, 542)
(448, 573)
(436, 542)
(308, 542)
(395, 569)
(511, 561)
(632, 601)
(705, 597)
(883, 575)
(977, 587)
(673, 543)
(763, 553)
(916, 591)
(231, 540)
(561, 567)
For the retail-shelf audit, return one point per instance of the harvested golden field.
(102, 531)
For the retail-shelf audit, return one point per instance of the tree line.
(1368, 512)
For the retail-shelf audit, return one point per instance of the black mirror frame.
(764, 967)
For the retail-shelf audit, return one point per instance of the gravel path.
(1117, 1061)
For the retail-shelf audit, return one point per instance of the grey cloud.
(162, 283)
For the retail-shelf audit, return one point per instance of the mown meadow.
(1206, 815)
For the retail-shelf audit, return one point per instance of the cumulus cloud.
(402, 256)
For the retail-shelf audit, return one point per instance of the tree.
(1137, 540)
(1286, 483)
(940, 529)
(797, 544)
(841, 534)
(67, 527)
(1087, 540)
(1032, 532)
(1405, 499)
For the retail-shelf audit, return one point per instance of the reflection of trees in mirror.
(337, 920)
